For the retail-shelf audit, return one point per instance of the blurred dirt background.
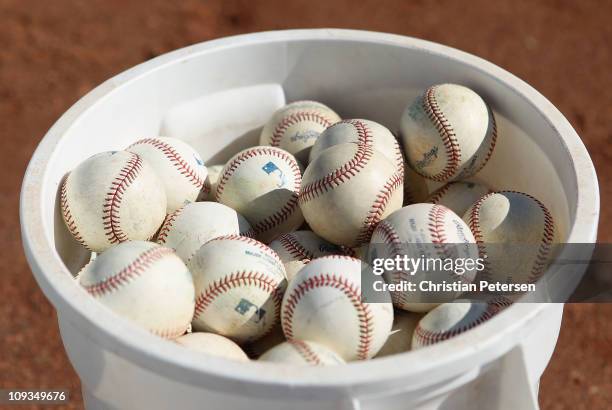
(51, 53)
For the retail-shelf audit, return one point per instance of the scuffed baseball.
(448, 132)
(145, 283)
(517, 219)
(302, 353)
(323, 304)
(177, 164)
(262, 184)
(361, 132)
(213, 344)
(400, 337)
(191, 226)
(347, 190)
(458, 196)
(298, 248)
(296, 126)
(112, 197)
(239, 285)
(451, 319)
(423, 230)
(210, 184)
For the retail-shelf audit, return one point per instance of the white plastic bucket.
(215, 95)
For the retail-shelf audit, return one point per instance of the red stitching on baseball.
(436, 196)
(247, 239)
(338, 176)
(68, 218)
(351, 291)
(306, 352)
(136, 268)
(391, 239)
(378, 207)
(295, 118)
(493, 141)
(175, 158)
(346, 171)
(167, 225)
(170, 333)
(112, 202)
(429, 337)
(295, 248)
(350, 252)
(288, 208)
(545, 244)
(232, 166)
(444, 128)
(341, 257)
(278, 217)
(436, 224)
(237, 279)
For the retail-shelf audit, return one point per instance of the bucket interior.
(218, 101)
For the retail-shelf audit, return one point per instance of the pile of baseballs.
(262, 255)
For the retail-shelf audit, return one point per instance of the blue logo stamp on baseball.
(271, 168)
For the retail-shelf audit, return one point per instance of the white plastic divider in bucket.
(216, 95)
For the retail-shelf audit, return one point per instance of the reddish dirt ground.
(51, 53)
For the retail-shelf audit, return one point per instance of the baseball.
(179, 167)
(296, 126)
(448, 133)
(262, 184)
(302, 353)
(364, 132)
(423, 231)
(112, 197)
(509, 217)
(188, 228)
(239, 284)
(400, 337)
(459, 196)
(451, 319)
(323, 304)
(298, 248)
(210, 184)
(213, 344)
(144, 282)
(347, 190)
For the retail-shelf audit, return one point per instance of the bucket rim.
(485, 342)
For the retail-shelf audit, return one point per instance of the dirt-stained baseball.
(458, 196)
(420, 232)
(191, 226)
(521, 222)
(448, 132)
(262, 184)
(323, 304)
(112, 197)
(296, 126)
(239, 285)
(364, 132)
(177, 164)
(451, 319)
(144, 282)
(347, 190)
